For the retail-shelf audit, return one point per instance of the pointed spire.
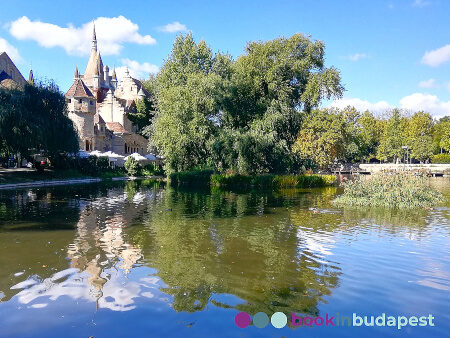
(114, 76)
(127, 73)
(94, 38)
(77, 74)
(31, 77)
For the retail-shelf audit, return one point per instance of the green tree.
(442, 135)
(322, 137)
(392, 138)
(418, 133)
(35, 118)
(369, 135)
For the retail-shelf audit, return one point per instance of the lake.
(139, 258)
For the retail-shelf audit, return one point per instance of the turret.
(114, 78)
(106, 74)
(76, 75)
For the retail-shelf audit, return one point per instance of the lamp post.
(406, 158)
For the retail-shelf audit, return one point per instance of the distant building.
(99, 105)
(10, 76)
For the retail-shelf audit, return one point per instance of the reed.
(399, 190)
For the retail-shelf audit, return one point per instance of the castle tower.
(81, 106)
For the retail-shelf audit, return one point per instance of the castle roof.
(79, 89)
(98, 119)
(116, 127)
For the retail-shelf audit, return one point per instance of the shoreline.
(50, 183)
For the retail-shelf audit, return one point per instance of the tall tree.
(392, 138)
(322, 137)
(418, 133)
(187, 105)
(34, 118)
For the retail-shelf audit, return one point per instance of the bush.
(400, 190)
(133, 167)
(440, 158)
(151, 170)
(277, 181)
(191, 177)
(231, 180)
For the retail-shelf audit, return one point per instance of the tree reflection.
(224, 243)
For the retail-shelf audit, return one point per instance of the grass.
(400, 190)
(12, 176)
(207, 177)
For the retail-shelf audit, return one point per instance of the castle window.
(92, 103)
(70, 100)
(80, 101)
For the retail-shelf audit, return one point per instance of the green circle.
(260, 320)
(279, 320)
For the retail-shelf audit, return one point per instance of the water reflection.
(124, 246)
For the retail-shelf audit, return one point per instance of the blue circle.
(260, 320)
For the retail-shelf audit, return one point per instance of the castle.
(98, 105)
(10, 76)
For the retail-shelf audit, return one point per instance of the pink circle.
(242, 320)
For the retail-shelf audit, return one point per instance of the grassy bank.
(399, 190)
(12, 176)
(206, 177)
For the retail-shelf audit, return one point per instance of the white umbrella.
(97, 153)
(137, 157)
(111, 154)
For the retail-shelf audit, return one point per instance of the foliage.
(35, 117)
(399, 190)
(322, 137)
(440, 158)
(445, 135)
(392, 138)
(237, 180)
(191, 177)
(132, 167)
(418, 134)
(241, 115)
(152, 170)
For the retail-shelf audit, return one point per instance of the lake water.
(139, 259)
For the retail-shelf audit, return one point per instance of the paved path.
(47, 183)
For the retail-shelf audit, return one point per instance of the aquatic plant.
(394, 190)
(239, 180)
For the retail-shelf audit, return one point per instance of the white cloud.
(173, 28)
(136, 69)
(431, 83)
(12, 52)
(356, 57)
(361, 105)
(415, 102)
(112, 33)
(426, 102)
(437, 57)
(420, 3)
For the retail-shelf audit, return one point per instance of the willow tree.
(245, 114)
(34, 118)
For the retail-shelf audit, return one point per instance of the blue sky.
(390, 53)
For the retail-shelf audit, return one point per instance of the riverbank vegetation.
(400, 190)
(207, 177)
(260, 113)
(33, 119)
